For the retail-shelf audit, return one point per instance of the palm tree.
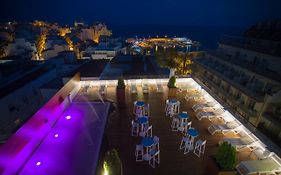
(167, 58)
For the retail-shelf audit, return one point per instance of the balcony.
(262, 71)
(236, 100)
(257, 96)
(251, 44)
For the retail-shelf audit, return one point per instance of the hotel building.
(244, 73)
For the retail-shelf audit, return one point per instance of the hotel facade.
(244, 74)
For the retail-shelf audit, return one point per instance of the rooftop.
(173, 161)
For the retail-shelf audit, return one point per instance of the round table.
(142, 121)
(192, 132)
(172, 101)
(183, 115)
(140, 103)
(147, 142)
(183, 118)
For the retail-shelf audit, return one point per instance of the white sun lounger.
(133, 89)
(224, 128)
(145, 89)
(202, 106)
(242, 142)
(216, 113)
(195, 97)
(159, 88)
(102, 89)
(270, 165)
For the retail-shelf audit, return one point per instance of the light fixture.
(38, 163)
(68, 117)
(56, 135)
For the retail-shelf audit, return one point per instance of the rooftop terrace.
(173, 161)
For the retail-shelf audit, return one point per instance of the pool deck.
(173, 161)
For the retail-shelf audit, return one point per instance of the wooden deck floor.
(173, 161)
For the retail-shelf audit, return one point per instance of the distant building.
(245, 73)
(20, 95)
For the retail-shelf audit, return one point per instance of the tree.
(172, 82)
(112, 163)
(226, 156)
(121, 83)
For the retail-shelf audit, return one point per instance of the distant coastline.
(207, 35)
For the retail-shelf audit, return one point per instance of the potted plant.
(112, 164)
(120, 92)
(172, 87)
(225, 159)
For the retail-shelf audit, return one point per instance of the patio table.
(147, 142)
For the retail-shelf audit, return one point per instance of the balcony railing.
(267, 47)
(246, 65)
(257, 96)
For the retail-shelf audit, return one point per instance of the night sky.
(146, 12)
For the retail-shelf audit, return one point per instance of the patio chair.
(133, 89)
(154, 157)
(199, 147)
(242, 142)
(224, 128)
(186, 144)
(175, 124)
(185, 127)
(139, 153)
(156, 143)
(147, 132)
(270, 165)
(135, 128)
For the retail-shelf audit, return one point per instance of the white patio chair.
(156, 143)
(199, 147)
(154, 157)
(175, 124)
(185, 127)
(135, 128)
(186, 144)
(147, 132)
(139, 153)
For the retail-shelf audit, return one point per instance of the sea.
(208, 36)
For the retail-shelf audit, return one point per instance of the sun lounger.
(242, 142)
(224, 128)
(202, 106)
(159, 88)
(145, 89)
(210, 114)
(102, 89)
(270, 165)
(133, 89)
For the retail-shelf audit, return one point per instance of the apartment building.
(245, 73)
